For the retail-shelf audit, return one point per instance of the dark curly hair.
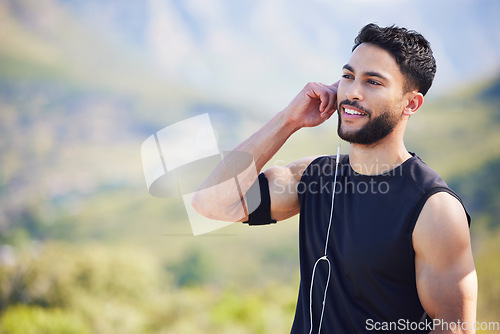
(410, 49)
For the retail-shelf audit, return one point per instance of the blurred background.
(85, 249)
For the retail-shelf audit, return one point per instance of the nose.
(354, 91)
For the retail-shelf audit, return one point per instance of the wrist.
(287, 124)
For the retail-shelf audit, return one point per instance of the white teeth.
(352, 112)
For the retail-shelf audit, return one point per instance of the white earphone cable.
(325, 256)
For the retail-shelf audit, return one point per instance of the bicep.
(445, 274)
(283, 182)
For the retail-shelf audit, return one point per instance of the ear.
(415, 101)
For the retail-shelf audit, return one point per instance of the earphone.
(325, 256)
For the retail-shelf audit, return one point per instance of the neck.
(380, 157)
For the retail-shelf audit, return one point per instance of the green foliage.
(59, 274)
(195, 268)
(71, 172)
(37, 320)
(488, 272)
(107, 288)
(480, 191)
(268, 310)
(95, 289)
(232, 308)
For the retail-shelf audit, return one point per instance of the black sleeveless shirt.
(370, 248)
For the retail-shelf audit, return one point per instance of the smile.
(351, 111)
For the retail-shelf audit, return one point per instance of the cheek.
(343, 84)
(341, 89)
(394, 104)
(399, 105)
(395, 109)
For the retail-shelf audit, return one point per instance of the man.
(391, 250)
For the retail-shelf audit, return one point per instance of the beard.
(373, 131)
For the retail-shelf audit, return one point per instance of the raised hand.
(315, 103)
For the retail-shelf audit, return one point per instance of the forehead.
(369, 58)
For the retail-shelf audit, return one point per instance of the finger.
(319, 91)
(332, 102)
(325, 93)
(331, 88)
(332, 98)
(325, 100)
(329, 112)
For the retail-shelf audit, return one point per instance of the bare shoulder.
(295, 169)
(283, 183)
(441, 227)
(299, 166)
(442, 212)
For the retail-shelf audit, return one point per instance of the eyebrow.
(368, 74)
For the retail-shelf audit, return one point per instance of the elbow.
(197, 203)
(208, 207)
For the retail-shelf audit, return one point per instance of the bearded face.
(374, 128)
(371, 96)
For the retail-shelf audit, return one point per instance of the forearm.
(219, 198)
(264, 144)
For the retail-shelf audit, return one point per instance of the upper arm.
(283, 183)
(445, 273)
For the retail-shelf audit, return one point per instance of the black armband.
(258, 202)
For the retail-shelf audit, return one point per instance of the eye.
(374, 83)
(347, 76)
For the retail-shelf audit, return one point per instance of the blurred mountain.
(219, 42)
(479, 185)
(175, 29)
(83, 83)
(43, 40)
(238, 50)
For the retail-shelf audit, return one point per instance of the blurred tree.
(37, 320)
(195, 268)
(480, 191)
